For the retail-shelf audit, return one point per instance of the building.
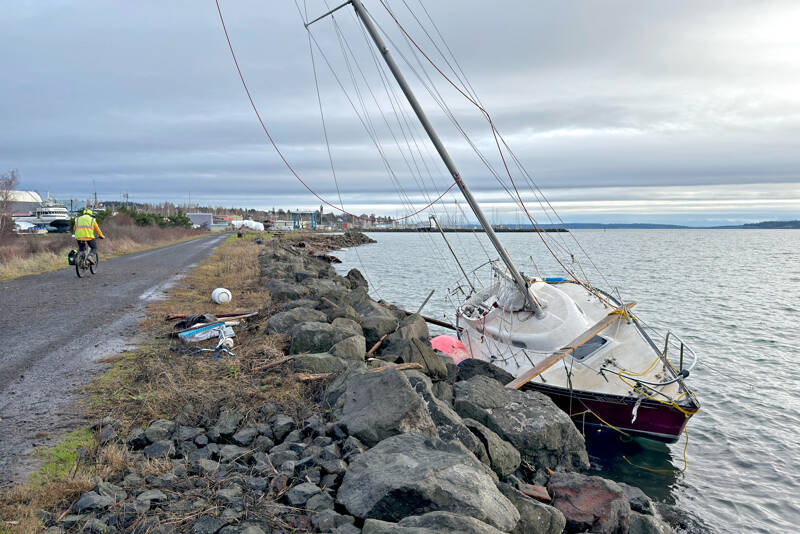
(203, 220)
(24, 202)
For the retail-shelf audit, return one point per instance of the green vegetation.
(248, 235)
(61, 460)
(179, 220)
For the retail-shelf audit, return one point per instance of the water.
(734, 295)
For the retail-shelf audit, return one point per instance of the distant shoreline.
(766, 225)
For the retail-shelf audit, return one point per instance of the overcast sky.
(682, 111)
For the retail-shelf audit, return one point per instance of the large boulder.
(534, 517)
(349, 325)
(316, 337)
(638, 500)
(447, 421)
(415, 350)
(356, 279)
(329, 289)
(542, 433)
(283, 322)
(351, 348)
(430, 523)
(375, 319)
(412, 474)
(374, 406)
(473, 367)
(501, 455)
(299, 303)
(648, 524)
(281, 290)
(344, 311)
(411, 327)
(590, 503)
(321, 362)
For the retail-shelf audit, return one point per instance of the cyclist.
(85, 229)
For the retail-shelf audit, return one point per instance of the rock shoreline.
(436, 449)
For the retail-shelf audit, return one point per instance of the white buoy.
(221, 295)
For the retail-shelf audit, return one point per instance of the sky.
(678, 112)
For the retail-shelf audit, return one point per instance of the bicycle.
(86, 260)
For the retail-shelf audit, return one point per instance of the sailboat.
(578, 345)
(574, 342)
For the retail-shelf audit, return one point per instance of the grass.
(155, 381)
(159, 380)
(22, 255)
(62, 459)
(67, 472)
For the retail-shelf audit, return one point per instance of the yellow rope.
(607, 423)
(685, 461)
(628, 373)
(686, 413)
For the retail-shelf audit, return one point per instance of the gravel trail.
(54, 327)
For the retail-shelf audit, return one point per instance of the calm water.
(734, 295)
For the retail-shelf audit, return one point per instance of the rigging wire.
(500, 151)
(278, 150)
(364, 115)
(327, 142)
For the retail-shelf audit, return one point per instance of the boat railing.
(674, 347)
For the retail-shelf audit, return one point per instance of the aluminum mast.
(520, 281)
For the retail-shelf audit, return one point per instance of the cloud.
(143, 97)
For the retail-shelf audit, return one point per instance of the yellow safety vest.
(84, 228)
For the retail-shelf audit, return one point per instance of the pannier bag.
(71, 256)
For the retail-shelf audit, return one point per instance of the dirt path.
(54, 327)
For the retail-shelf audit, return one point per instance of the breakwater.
(497, 229)
(401, 440)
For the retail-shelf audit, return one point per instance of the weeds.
(21, 255)
(62, 459)
(159, 380)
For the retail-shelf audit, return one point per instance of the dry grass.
(158, 380)
(22, 255)
(67, 473)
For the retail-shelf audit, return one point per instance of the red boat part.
(452, 347)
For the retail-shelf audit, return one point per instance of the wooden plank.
(562, 353)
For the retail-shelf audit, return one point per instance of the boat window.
(588, 348)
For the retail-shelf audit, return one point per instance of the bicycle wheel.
(80, 264)
(95, 259)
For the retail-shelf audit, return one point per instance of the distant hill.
(602, 226)
(773, 225)
(766, 225)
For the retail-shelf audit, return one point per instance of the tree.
(180, 220)
(8, 182)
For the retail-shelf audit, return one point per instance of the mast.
(519, 280)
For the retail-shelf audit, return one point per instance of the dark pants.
(92, 245)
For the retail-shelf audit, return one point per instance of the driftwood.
(276, 362)
(377, 344)
(310, 377)
(399, 367)
(237, 315)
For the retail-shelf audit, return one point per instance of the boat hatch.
(589, 348)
